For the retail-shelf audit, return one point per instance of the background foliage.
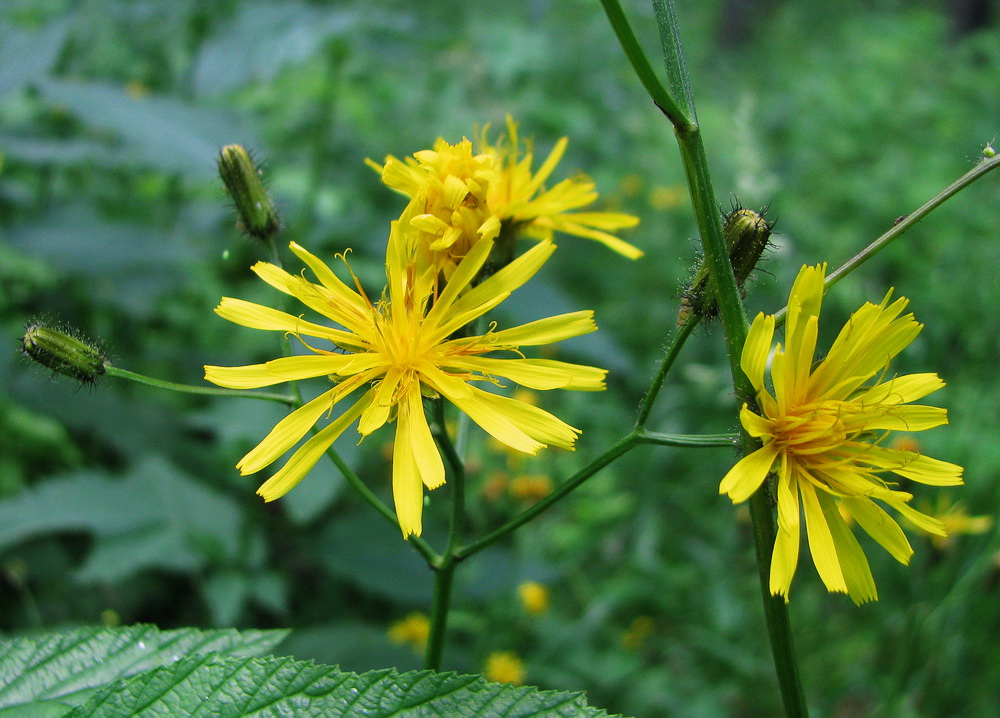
(121, 504)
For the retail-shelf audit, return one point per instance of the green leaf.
(160, 131)
(155, 516)
(67, 667)
(227, 687)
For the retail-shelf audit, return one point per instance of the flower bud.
(242, 179)
(746, 234)
(989, 152)
(63, 353)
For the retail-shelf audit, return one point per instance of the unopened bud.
(242, 179)
(746, 234)
(64, 353)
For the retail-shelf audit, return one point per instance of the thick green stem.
(444, 568)
(734, 323)
(643, 70)
(204, 390)
(443, 575)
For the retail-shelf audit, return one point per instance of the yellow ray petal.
(757, 348)
(286, 434)
(748, 474)
(309, 453)
(425, 451)
(850, 556)
(546, 331)
(407, 489)
(821, 543)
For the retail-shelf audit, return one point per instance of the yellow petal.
(541, 374)
(256, 316)
(309, 453)
(785, 556)
(850, 556)
(902, 389)
(536, 423)
(425, 451)
(755, 425)
(546, 331)
(407, 489)
(821, 543)
(252, 376)
(505, 280)
(285, 434)
(748, 474)
(757, 348)
(880, 526)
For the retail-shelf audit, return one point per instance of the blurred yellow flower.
(412, 630)
(404, 348)
(956, 520)
(504, 667)
(534, 597)
(639, 630)
(824, 436)
(530, 487)
(460, 195)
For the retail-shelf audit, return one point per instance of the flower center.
(812, 429)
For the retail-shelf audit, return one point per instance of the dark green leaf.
(227, 687)
(68, 666)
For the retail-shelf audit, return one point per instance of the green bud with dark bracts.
(63, 352)
(242, 179)
(746, 234)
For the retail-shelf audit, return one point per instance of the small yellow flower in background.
(639, 630)
(461, 194)
(824, 436)
(412, 630)
(504, 667)
(534, 597)
(956, 520)
(530, 487)
(402, 349)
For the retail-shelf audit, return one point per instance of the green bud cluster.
(242, 179)
(746, 234)
(64, 352)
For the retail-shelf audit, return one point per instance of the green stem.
(444, 573)
(986, 165)
(619, 448)
(690, 441)
(444, 568)
(643, 70)
(190, 389)
(734, 324)
(681, 336)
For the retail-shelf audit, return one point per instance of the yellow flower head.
(402, 348)
(460, 196)
(412, 630)
(824, 436)
(504, 667)
(534, 597)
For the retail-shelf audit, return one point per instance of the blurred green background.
(122, 504)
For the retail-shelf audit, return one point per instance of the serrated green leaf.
(68, 667)
(226, 687)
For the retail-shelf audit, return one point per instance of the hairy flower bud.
(242, 179)
(64, 353)
(746, 234)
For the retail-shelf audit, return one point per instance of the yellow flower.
(823, 434)
(956, 520)
(534, 597)
(504, 667)
(531, 487)
(412, 630)
(402, 348)
(460, 196)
